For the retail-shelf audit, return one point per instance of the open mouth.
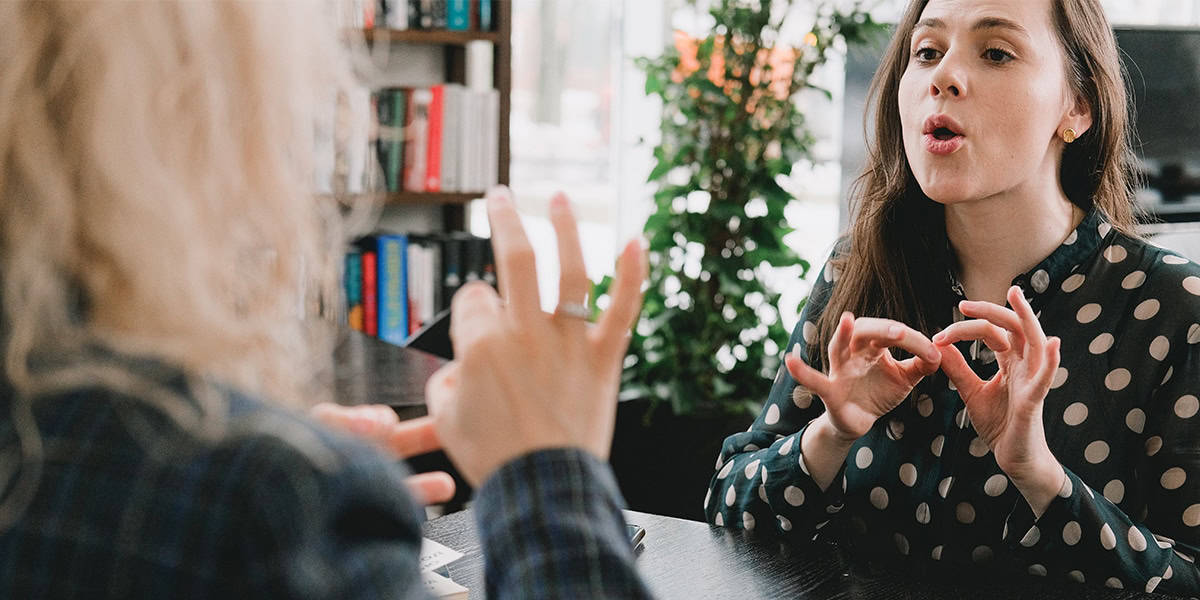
(944, 133)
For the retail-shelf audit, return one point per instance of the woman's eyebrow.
(982, 24)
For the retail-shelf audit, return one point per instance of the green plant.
(709, 341)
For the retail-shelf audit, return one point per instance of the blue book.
(458, 15)
(393, 287)
(486, 21)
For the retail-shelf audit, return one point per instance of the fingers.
(955, 367)
(839, 342)
(1030, 327)
(806, 376)
(515, 262)
(999, 316)
(369, 421)
(430, 488)
(885, 333)
(410, 438)
(975, 329)
(473, 311)
(440, 389)
(917, 368)
(573, 282)
(612, 330)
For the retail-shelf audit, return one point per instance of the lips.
(942, 135)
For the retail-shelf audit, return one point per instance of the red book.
(370, 294)
(433, 159)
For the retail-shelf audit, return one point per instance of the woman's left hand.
(1006, 410)
(379, 424)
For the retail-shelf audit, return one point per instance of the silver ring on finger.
(573, 310)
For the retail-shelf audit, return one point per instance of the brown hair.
(895, 256)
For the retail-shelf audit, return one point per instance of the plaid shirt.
(129, 504)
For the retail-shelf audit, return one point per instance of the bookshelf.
(452, 44)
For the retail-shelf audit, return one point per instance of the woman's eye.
(925, 54)
(997, 55)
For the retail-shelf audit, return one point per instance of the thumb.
(956, 368)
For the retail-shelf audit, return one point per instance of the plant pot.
(664, 467)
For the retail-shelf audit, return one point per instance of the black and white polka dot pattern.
(1122, 416)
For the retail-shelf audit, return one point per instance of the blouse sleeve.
(762, 482)
(1089, 538)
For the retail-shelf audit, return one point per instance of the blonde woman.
(1042, 419)
(158, 242)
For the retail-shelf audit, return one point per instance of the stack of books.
(452, 15)
(395, 283)
(444, 138)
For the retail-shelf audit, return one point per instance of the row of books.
(452, 15)
(396, 283)
(444, 138)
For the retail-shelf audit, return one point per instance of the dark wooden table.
(690, 560)
(678, 558)
(371, 371)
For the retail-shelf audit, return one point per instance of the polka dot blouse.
(922, 489)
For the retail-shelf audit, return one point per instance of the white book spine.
(358, 138)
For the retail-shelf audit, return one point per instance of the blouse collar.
(1056, 271)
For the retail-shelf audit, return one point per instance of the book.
(451, 144)
(390, 108)
(393, 287)
(353, 283)
(491, 139)
(416, 143)
(358, 134)
(370, 307)
(458, 15)
(433, 160)
(395, 14)
(487, 18)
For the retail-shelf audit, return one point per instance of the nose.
(948, 79)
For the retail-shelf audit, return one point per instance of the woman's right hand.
(865, 381)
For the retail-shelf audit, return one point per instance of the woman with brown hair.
(1040, 418)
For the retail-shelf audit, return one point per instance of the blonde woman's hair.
(156, 198)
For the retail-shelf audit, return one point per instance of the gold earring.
(1069, 135)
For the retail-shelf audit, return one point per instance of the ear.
(1078, 117)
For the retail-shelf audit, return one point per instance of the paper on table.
(434, 555)
(443, 588)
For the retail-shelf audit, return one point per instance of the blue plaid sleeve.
(551, 527)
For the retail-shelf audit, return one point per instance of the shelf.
(429, 197)
(435, 37)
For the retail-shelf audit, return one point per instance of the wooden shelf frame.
(454, 43)
(431, 37)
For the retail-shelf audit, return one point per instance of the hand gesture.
(1006, 410)
(524, 380)
(865, 381)
(379, 424)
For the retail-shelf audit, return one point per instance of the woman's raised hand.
(865, 381)
(524, 380)
(1006, 410)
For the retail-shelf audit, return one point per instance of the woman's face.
(984, 99)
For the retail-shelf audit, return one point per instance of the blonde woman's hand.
(1006, 410)
(381, 426)
(865, 381)
(523, 380)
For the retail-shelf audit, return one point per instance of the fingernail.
(938, 337)
(558, 203)
(499, 196)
